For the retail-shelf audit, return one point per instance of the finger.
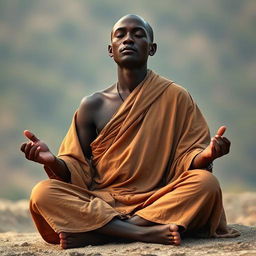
(27, 149)
(22, 147)
(212, 145)
(221, 130)
(221, 144)
(32, 151)
(37, 152)
(227, 144)
(31, 136)
(212, 148)
(219, 140)
(227, 141)
(217, 150)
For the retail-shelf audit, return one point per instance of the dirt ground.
(19, 237)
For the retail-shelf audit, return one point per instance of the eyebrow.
(134, 29)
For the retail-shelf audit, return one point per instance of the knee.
(41, 193)
(206, 182)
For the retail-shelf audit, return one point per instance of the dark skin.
(131, 45)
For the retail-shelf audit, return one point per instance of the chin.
(130, 63)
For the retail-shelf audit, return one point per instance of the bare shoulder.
(92, 104)
(95, 100)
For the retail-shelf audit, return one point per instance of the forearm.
(201, 162)
(58, 170)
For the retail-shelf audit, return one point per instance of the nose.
(128, 39)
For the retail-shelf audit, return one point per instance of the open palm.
(36, 150)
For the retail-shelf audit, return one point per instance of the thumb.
(221, 130)
(30, 136)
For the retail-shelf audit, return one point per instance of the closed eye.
(119, 35)
(139, 35)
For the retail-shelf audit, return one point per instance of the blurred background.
(53, 53)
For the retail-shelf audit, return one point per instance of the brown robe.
(140, 165)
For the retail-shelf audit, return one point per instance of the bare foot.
(173, 229)
(139, 221)
(162, 234)
(76, 240)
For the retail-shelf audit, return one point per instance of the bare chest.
(106, 111)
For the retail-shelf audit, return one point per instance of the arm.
(37, 151)
(218, 147)
(86, 129)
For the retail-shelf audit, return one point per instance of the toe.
(63, 240)
(173, 242)
(62, 235)
(175, 233)
(174, 227)
(63, 244)
(176, 241)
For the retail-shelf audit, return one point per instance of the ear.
(110, 52)
(152, 49)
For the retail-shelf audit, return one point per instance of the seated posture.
(136, 162)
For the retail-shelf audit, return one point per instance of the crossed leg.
(62, 207)
(162, 234)
(197, 185)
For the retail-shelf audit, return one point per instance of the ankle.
(143, 233)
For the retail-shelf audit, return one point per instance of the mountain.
(53, 53)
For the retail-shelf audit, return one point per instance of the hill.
(52, 53)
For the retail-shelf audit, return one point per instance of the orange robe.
(140, 165)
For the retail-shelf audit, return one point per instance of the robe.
(139, 166)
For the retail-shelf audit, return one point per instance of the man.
(136, 161)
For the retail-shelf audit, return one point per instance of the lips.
(127, 48)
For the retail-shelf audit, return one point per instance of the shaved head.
(131, 42)
(144, 23)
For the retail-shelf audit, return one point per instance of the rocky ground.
(18, 236)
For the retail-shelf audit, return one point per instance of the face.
(130, 43)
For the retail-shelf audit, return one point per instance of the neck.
(128, 79)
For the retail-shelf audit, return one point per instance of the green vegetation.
(52, 53)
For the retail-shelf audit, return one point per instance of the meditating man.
(136, 162)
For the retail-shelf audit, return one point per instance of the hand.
(218, 147)
(36, 150)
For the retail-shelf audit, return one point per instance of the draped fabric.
(148, 143)
(140, 165)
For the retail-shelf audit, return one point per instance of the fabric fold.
(155, 133)
(71, 153)
(140, 163)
